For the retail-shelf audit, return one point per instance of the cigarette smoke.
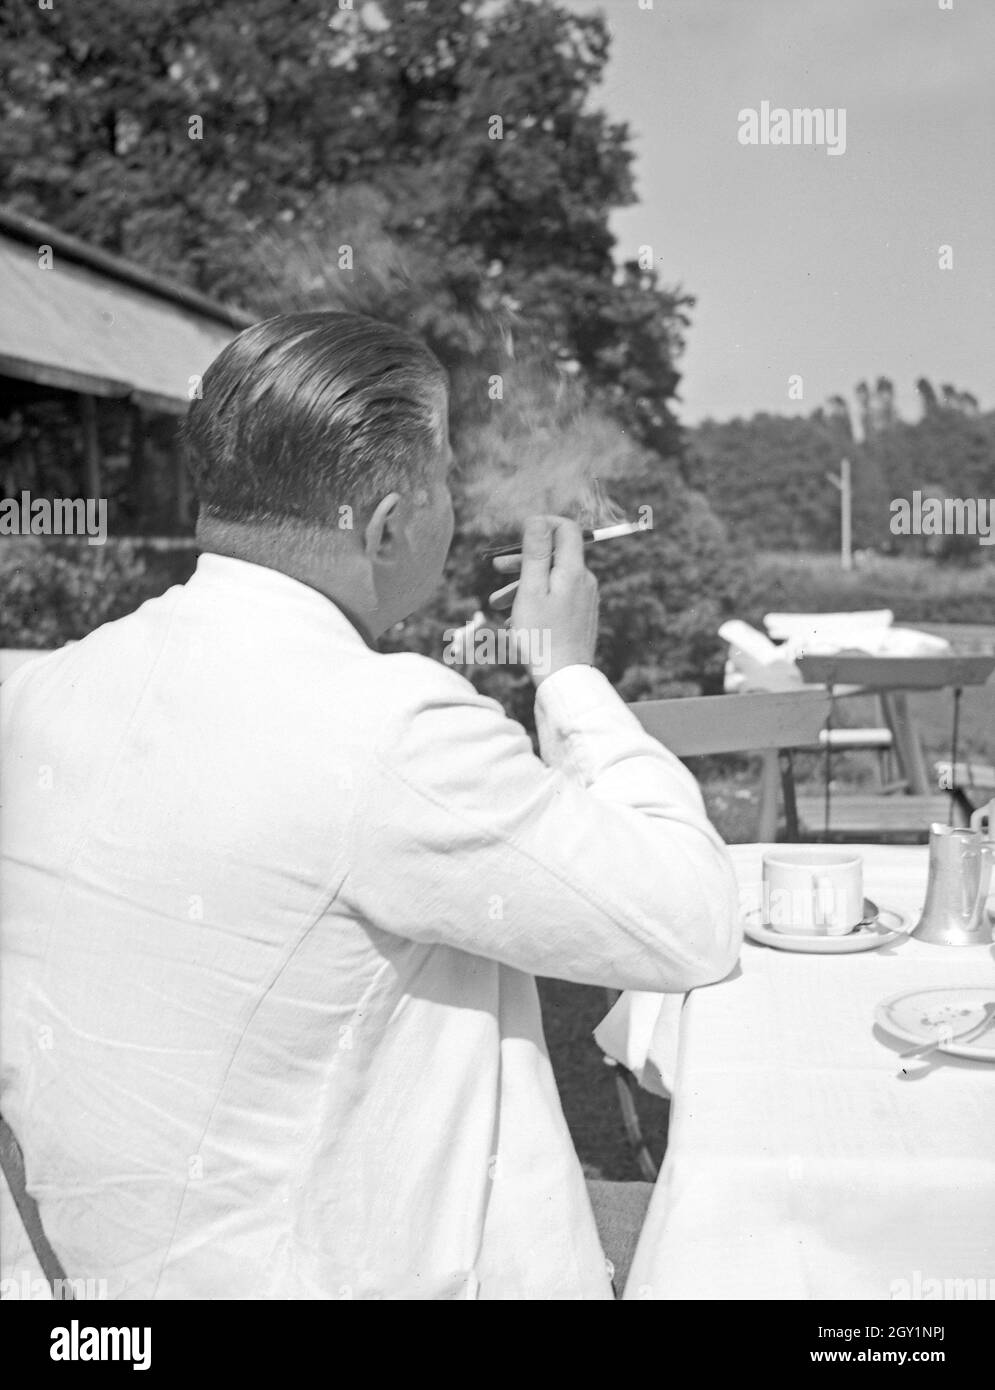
(540, 447)
(541, 450)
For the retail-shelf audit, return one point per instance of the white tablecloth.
(800, 1165)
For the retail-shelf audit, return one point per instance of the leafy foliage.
(369, 128)
(917, 589)
(766, 477)
(440, 166)
(55, 593)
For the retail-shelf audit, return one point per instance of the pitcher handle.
(987, 851)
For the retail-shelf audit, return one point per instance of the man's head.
(320, 446)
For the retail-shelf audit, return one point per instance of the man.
(275, 902)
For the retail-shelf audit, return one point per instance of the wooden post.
(844, 485)
(91, 445)
(846, 516)
(770, 781)
(182, 490)
(136, 465)
(907, 742)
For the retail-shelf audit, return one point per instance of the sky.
(804, 263)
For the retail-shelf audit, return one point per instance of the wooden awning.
(100, 326)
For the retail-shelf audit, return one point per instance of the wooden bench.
(971, 776)
(861, 818)
(769, 724)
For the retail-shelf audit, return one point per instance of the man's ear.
(383, 528)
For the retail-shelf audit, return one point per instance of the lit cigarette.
(502, 598)
(590, 537)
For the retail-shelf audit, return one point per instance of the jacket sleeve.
(595, 863)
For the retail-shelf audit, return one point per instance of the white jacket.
(273, 907)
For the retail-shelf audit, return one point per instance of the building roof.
(99, 325)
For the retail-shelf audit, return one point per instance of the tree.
(765, 477)
(182, 134)
(838, 412)
(884, 412)
(927, 396)
(441, 166)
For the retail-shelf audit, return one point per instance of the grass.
(917, 590)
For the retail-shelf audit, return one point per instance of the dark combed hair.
(305, 413)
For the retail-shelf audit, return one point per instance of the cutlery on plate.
(966, 1035)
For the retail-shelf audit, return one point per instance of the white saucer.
(920, 1015)
(880, 925)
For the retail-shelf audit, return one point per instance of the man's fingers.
(568, 547)
(537, 553)
(568, 544)
(503, 598)
(557, 594)
(552, 548)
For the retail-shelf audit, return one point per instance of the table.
(891, 677)
(800, 1165)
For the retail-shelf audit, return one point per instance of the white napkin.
(642, 1027)
(784, 625)
(880, 641)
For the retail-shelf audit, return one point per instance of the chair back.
(753, 723)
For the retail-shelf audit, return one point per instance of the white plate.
(880, 925)
(919, 1015)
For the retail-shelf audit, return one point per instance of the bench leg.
(788, 790)
(907, 742)
(770, 779)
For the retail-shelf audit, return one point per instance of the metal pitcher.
(960, 871)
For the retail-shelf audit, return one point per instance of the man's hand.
(557, 598)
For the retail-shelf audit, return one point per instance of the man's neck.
(316, 559)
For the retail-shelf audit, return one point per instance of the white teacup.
(813, 890)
